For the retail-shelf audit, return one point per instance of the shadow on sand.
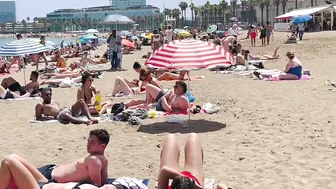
(195, 126)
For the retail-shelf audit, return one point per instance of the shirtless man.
(14, 86)
(93, 166)
(49, 111)
(172, 101)
(86, 60)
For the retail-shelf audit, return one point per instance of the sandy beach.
(267, 135)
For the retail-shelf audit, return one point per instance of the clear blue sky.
(39, 8)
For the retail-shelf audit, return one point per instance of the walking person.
(301, 27)
(115, 50)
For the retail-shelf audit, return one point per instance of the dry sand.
(267, 134)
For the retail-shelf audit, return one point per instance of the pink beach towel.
(303, 77)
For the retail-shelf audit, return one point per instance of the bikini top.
(189, 175)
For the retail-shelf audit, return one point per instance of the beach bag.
(117, 108)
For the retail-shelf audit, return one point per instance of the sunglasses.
(175, 86)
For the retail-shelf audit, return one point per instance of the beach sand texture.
(267, 135)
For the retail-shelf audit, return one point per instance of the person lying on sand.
(146, 56)
(86, 173)
(4, 94)
(263, 57)
(49, 110)
(174, 101)
(192, 174)
(136, 87)
(5, 66)
(86, 60)
(292, 71)
(14, 86)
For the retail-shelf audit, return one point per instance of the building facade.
(94, 16)
(122, 4)
(7, 11)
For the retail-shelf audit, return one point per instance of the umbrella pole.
(24, 70)
(188, 99)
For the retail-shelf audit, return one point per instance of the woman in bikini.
(16, 172)
(156, 40)
(86, 92)
(264, 57)
(191, 176)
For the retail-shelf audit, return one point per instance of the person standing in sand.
(170, 34)
(269, 32)
(156, 41)
(114, 42)
(49, 110)
(41, 54)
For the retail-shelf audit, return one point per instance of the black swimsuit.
(86, 181)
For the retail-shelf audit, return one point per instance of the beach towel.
(130, 182)
(20, 99)
(303, 77)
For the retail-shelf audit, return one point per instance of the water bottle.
(98, 100)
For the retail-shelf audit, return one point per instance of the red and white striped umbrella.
(189, 55)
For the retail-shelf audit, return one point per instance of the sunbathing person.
(86, 60)
(86, 92)
(61, 63)
(14, 86)
(4, 94)
(291, 39)
(192, 176)
(174, 101)
(134, 82)
(264, 57)
(292, 71)
(92, 168)
(49, 110)
(240, 60)
(5, 66)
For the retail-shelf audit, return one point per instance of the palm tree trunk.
(283, 8)
(267, 12)
(262, 16)
(277, 10)
(296, 4)
(311, 3)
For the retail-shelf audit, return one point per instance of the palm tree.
(13, 26)
(267, 4)
(28, 18)
(284, 3)
(224, 6)
(234, 7)
(3, 27)
(276, 3)
(262, 6)
(296, 4)
(176, 15)
(192, 8)
(183, 6)
(219, 10)
(35, 22)
(197, 10)
(24, 24)
(311, 3)
(207, 12)
(251, 4)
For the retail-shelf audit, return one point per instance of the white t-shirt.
(170, 35)
(301, 26)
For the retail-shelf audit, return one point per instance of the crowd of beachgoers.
(61, 70)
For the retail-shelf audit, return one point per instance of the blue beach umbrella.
(302, 19)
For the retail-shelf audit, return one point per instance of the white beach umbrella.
(92, 31)
(118, 19)
(22, 47)
(49, 44)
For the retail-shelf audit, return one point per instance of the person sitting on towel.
(174, 101)
(292, 71)
(14, 86)
(50, 110)
(85, 173)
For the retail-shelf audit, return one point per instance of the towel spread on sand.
(20, 99)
